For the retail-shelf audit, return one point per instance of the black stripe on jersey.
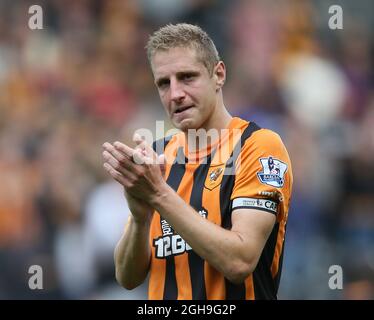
(233, 292)
(263, 285)
(170, 289)
(177, 171)
(228, 179)
(160, 144)
(196, 263)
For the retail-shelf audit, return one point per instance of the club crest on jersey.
(214, 177)
(273, 171)
(215, 174)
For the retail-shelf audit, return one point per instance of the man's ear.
(219, 73)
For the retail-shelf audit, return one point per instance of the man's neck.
(210, 133)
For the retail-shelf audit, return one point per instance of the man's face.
(187, 90)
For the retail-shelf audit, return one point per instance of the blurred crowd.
(84, 79)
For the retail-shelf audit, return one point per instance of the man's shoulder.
(265, 143)
(265, 133)
(265, 136)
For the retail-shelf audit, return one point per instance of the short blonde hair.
(186, 36)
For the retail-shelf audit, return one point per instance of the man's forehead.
(175, 52)
(175, 60)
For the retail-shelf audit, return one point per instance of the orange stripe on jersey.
(214, 281)
(249, 288)
(182, 274)
(158, 266)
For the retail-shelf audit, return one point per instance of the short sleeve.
(263, 175)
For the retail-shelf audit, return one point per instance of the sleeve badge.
(273, 171)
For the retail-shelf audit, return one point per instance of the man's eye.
(188, 77)
(163, 84)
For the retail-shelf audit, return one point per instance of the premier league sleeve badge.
(273, 171)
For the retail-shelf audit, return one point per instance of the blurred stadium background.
(84, 79)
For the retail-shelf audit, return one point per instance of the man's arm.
(132, 254)
(235, 252)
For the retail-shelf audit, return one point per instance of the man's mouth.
(181, 109)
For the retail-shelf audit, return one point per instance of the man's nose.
(177, 93)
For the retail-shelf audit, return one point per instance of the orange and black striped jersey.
(248, 167)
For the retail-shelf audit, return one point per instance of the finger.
(120, 156)
(146, 148)
(127, 176)
(149, 150)
(124, 168)
(118, 160)
(116, 175)
(140, 158)
(137, 138)
(141, 145)
(126, 150)
(125, 160)
(162, 162)
(123, 179)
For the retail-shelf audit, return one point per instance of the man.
(211, 226)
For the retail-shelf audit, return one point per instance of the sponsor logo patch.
(171, 243)
(273, 171)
